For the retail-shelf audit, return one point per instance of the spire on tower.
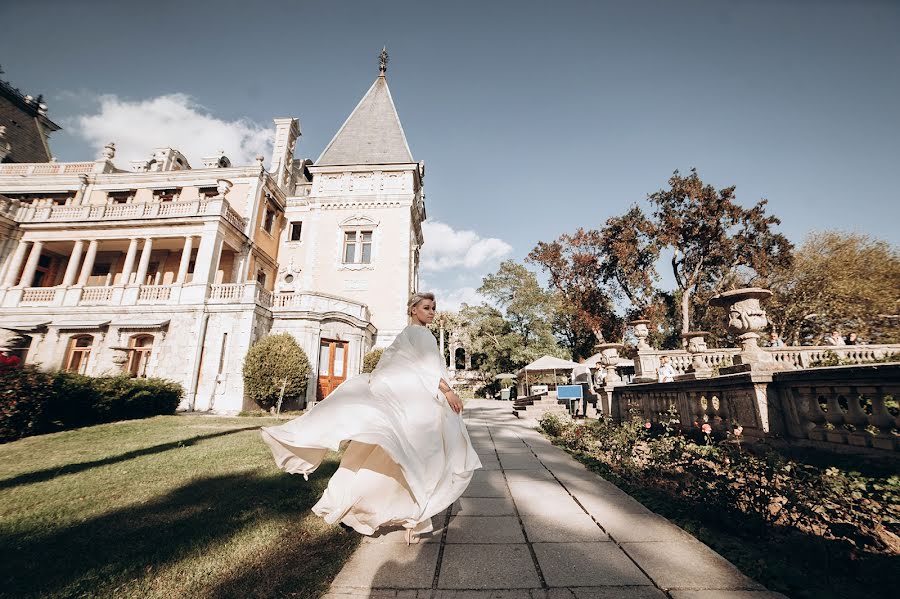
(382, 61)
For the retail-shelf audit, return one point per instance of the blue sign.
(569, 392)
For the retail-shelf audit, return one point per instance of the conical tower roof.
(372, 134)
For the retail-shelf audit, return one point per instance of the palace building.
(174, 270)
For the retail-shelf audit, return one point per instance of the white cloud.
(174, 120)
(450, 300)
(447, 248)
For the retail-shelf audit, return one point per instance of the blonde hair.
(416, 298)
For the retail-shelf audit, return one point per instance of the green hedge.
(34, 402)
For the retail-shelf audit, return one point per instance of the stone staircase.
(539, 407)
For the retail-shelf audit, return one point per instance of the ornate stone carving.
(641, 332)
(745, 318)
(108, 152)
(223, 186)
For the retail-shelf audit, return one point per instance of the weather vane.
(383, 60)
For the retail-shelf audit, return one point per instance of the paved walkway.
(535, 523)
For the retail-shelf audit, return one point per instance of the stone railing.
(154, 293)
(795, 356)
(841, 406)
(234, 218)
(226, 292)
(319, 302)
(96, 295)
(138, 210)
(263, 296)
(38, 295)
(53, 168)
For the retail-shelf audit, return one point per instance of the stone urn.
(746, 319)
(222, 186)
(696, 345)
(609, 359)
(120, 357)
(641, 332)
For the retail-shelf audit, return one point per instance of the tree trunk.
(685, 310)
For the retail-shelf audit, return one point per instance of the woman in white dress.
(409, 455)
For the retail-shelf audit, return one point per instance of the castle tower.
(362, 218)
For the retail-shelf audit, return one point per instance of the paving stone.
(587, 564)
(484, 506)
(527, 475)
(398, 535)
(618, 593)
(485, 529)
(628, 528)
(391, 565)
(543, 497)
(487, 489)
(687, 565)
(721, 594)
(520, 461)
(504, 594)
(487, 567)
(575, 527)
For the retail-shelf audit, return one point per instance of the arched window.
(459, 358)
(140, 347)
(78, 352)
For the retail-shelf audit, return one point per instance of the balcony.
(25, 213)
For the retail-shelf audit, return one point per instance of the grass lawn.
(172, 506)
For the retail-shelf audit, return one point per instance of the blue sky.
(533, 118)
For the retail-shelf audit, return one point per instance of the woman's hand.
(455, 402)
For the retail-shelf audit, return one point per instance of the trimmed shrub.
(371, 359)
(34, 402)
(272, 361)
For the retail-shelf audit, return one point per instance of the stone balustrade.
(846, 406)
(27, 213)
(55, 168)
(319, 302)
(800, 356)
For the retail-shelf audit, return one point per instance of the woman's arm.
(450, 395)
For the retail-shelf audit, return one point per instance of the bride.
(409, 455)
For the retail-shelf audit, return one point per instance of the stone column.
(74, 263)
(16, 263)
(88, 265)
(145, 261)
(185, 259)
(32, 264)
(128, 267)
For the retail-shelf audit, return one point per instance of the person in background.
(775, 340)
(600, 376)
(834, 339)
(513, 392)
(665, 373)
(852, 339)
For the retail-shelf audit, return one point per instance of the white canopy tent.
(544, 365)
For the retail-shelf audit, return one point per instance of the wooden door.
(332, 366)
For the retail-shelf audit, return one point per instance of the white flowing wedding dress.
(409, 455)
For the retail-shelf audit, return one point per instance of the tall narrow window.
(358, 247)
(78, 352)
(140, 346)
(296, 230)
(269, 220)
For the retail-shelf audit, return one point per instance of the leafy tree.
(838, 281)
(370, 360)
(712, 237)
(527, 307)
(628, 253)
(573, 263)
(272, 361)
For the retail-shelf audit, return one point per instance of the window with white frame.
(357, 246)
(268, 223)
(296, 230)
